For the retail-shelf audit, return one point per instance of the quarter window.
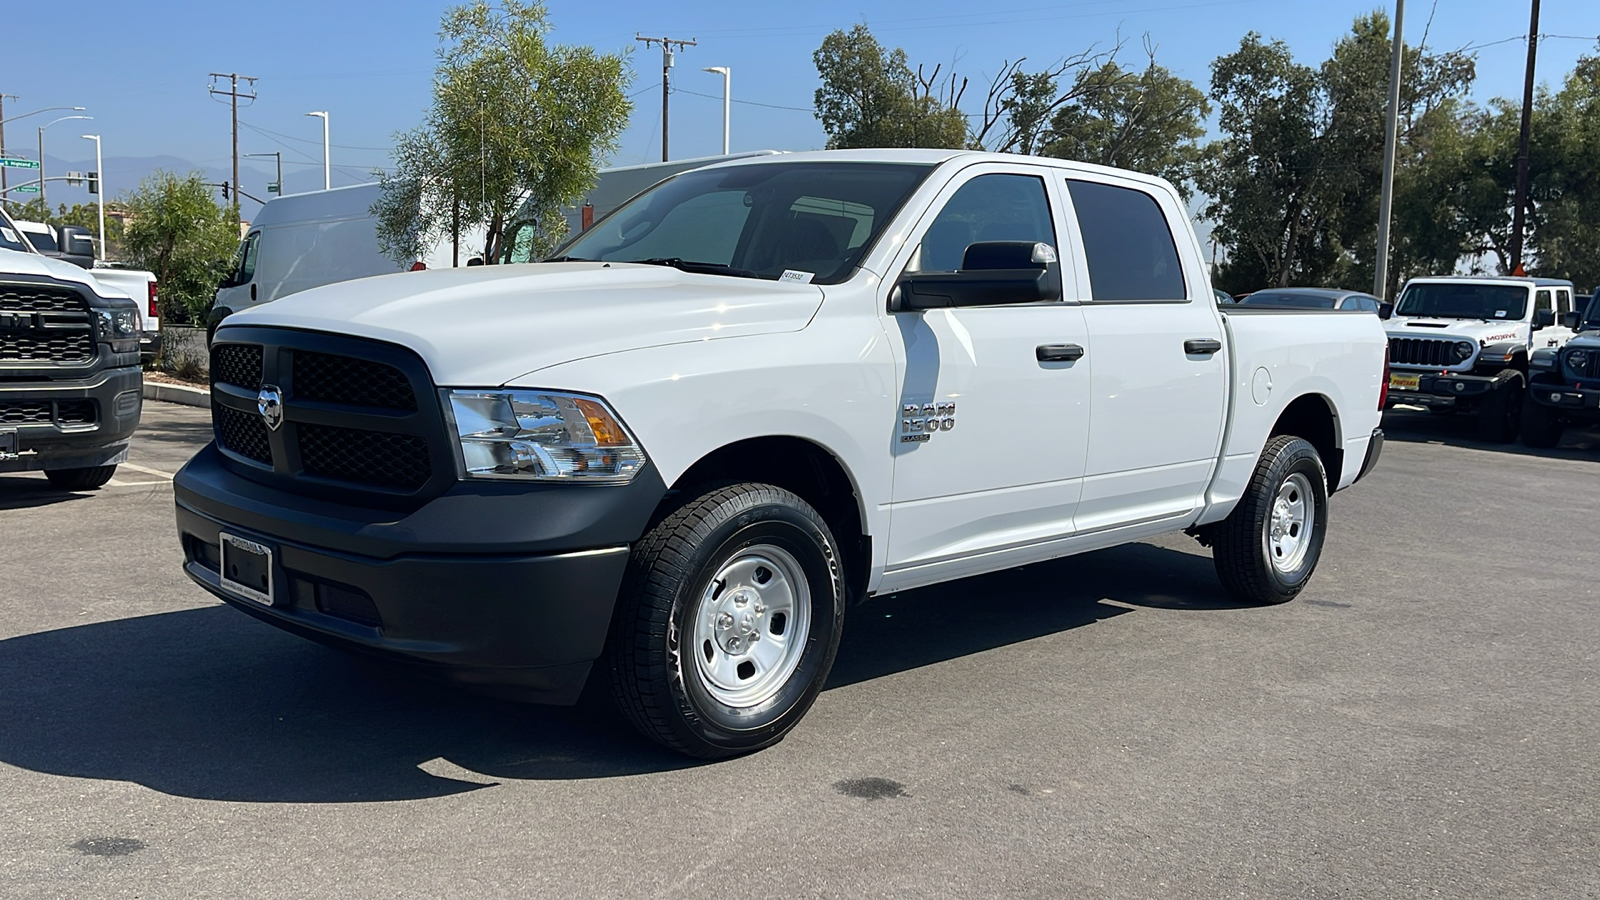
(1563, 302)
(992, 207)
(1127, 242)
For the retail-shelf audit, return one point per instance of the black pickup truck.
(1564, 382)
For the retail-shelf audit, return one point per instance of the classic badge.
(270, 404)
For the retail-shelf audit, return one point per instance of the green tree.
(870, 98)
(515, 122)
(1149, 121)
(176, 230)
(1566, 159)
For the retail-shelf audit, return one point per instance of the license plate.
(246, 568)
(1404, 382)
(8, 443)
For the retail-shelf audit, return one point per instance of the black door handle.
(1202, 346)
(1058, 352)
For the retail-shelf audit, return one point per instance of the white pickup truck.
(750, 397)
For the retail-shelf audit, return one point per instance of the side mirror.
(1385, 310)
(77, 245)
(1571, 320)
(993, 273)
(1543, 318)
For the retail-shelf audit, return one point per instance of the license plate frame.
(1399, 382)
(8, 443)
(242, 558)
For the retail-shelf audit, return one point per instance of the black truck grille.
(357, 382)
(238, 364)
(44, 324)
(243, 433)
(1422, 352)
(68, 413)
(352, 426)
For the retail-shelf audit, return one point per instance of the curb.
(177, 393)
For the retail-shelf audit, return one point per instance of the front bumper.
(1447, 390)
(1571, 403)
(506, 588)
(117, 397)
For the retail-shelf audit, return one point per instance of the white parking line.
(167, 475)
(117, 482)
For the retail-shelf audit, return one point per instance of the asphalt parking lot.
(1423, 721)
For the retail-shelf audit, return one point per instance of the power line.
(317, 143)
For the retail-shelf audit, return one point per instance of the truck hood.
(16, 262)
(1478, 331)
(487, 326)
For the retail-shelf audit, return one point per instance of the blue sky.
(141, 68)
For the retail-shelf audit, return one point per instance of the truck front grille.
(354, 426)
(1422, 352)
(65, 413)
(45, 324)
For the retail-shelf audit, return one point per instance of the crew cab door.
(1558, 300)
(994, 400)
(1160, 356)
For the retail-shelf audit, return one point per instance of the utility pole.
(1517, 212)
(666, 75)
(3, 99)
(1391, 136)
(232, 93)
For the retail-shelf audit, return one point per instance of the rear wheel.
(80, 479)
(1267, 548)
(1540, 427)
(1500, 413)
(728, 621)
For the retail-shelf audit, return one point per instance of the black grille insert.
(354, 382)
(377, 458)
(47, 345)
(36, 299)
(236, 364)
(1423, 352)
(67, 413)
(242, 433)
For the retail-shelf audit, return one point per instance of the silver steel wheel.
(1286, 537)
(751, 626)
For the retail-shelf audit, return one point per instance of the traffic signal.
(94, 182)
(224, 190)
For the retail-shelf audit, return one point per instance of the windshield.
(1591, 319)
(814, 219)
(10, 238)
(1461, 300)
(1300, 301)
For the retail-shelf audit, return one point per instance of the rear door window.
(1127, 242)
(1563, 302)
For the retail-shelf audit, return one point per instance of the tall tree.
(176, 230)
(870, 97)
(1149, 121)
(517, 124)
(1566, 233)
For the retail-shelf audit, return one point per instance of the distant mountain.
(123, 173)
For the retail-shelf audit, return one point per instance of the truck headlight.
(1578, 360)
(1464, 350)
(542, 436)
(119, 328)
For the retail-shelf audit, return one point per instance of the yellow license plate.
(1404, 382)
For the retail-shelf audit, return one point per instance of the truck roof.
(1492, 279)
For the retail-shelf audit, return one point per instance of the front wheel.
(1267, 548)
(1540, 427)
(1500, 413)
(728, 621)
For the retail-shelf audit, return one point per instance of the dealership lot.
(1421, 722)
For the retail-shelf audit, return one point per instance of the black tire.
(1540, 427)
(80, 479)
(669, 695)
(1500, 413)
(1240, 544)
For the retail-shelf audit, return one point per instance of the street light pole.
(327, 171)
(727, 78)
(1380, 281)
(42, 201)
(100, 194)
(277, 157)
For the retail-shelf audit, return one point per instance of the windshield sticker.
(9, 235)
(1499, 314)
(794, 276)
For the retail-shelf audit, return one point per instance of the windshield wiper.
(568, 259)
(702, 268)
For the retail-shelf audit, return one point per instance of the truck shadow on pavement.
(30, 491)
(1421, 427)
(210, 704)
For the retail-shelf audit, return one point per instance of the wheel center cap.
(739, 622)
